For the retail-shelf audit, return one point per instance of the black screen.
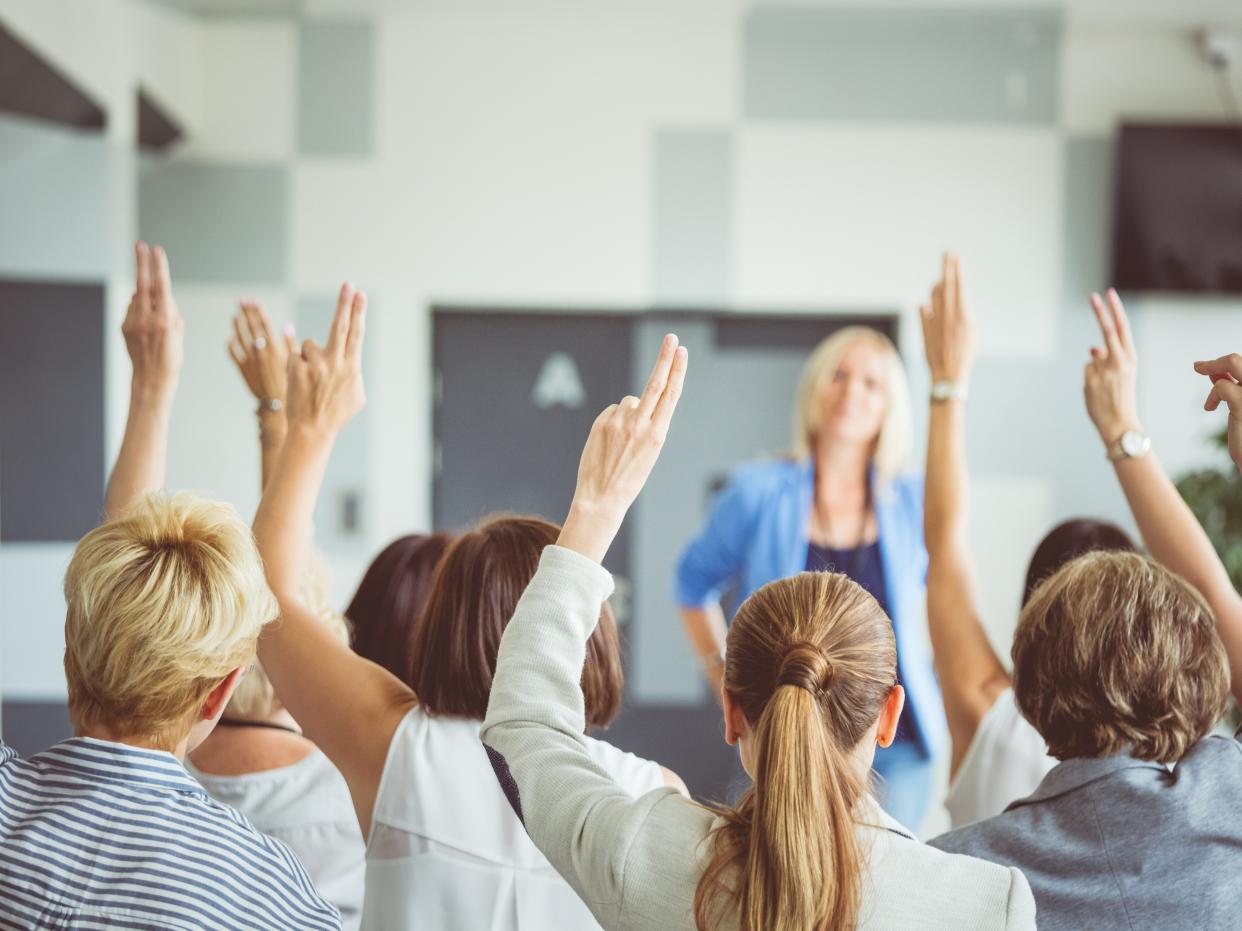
(1178, 217)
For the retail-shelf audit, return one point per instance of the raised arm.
(348, 706)
(154, 339)
(1168, 527)
(971, 674)
(262, 361)
(579, 818)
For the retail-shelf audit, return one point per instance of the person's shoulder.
(7, 754)
(906, 488)
(768, 472)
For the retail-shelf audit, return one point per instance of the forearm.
(946, 482)
(141, 462)
(284, 521)
(705, 627)
(1176, 540)
(272, 431)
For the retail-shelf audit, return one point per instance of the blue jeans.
(905, 782)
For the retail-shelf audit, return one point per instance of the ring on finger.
(260, 343)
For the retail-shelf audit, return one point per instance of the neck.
(103, 732)
(280, 718)
(841, 466)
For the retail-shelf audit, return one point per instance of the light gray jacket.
(637, 862)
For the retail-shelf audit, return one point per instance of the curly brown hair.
(1115, 653)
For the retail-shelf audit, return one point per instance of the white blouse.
(308, 807)
(446, 850)
(1007, 760)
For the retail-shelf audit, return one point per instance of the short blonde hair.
(163, 602)
(892, 451)
(1114, 653)
(255, 697)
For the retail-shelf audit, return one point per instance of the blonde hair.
(162, 602)
(892, 451)
(811, 661)
(255, 697)
(1114, 653)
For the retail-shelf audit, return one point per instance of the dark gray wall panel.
(220, 223)
(32, 86)
(336, 87)
(946, 65)
(30, 726)
(51, 410)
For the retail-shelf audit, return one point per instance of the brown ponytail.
(810, 660)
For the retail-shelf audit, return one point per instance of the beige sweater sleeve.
(583, 822)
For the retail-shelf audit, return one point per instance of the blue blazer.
(757, 533)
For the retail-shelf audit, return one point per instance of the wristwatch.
(1133, 444)
(945, 389)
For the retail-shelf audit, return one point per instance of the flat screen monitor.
(1178, 216)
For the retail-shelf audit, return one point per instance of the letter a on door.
(559, 383)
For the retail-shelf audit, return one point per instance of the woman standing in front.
(842, 501)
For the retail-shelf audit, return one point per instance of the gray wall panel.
(220, 223)
(946, 65)
(336, 87)
(692, 238)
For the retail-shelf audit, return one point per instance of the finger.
(259, 320)
(1105, 319)
(291, 340)
(340, 323)
(1229, 392)
(1226, 365)
(163, 277)
(253, 328)
(357, 326)
(663, 415)
(925, 320)
(952, 283)
(1098, 354)
(604, 416)
(310, 350)
(1120, 321)
(659, 375)
(237, 353)
(243, 336)
(142, 274)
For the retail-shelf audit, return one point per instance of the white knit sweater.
(637, 862)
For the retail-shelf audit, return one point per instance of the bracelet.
(270, 405)
(944, 389)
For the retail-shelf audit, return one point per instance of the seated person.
(997, 756)
(809, 691)
(165, 602)
(444, 849)
(257, 760)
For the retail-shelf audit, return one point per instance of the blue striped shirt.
(95, 834)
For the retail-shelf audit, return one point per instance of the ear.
(217, 698)
(734, 720)
(890, 714)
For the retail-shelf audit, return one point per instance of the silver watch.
(1133, 444)
(945, 389)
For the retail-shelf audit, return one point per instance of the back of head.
(163, 602)
(1114, 653)
(390, 600)
(255, 697)
(474, 593)
(1067, 541)
(811, 661)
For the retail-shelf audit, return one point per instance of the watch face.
(1132, 443)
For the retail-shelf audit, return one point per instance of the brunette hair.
(390, 600)
(811, 661)
(474, 593)
(1116, 653)
(1067, 541)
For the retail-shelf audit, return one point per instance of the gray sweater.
(637, 862)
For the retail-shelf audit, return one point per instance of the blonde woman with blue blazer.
(842, 501)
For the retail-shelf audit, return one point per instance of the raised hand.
(261, 358)
(152, 329)
(1110, 378)
(1226, 375)
(948, 334)
(325, 385)
(620, 451)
